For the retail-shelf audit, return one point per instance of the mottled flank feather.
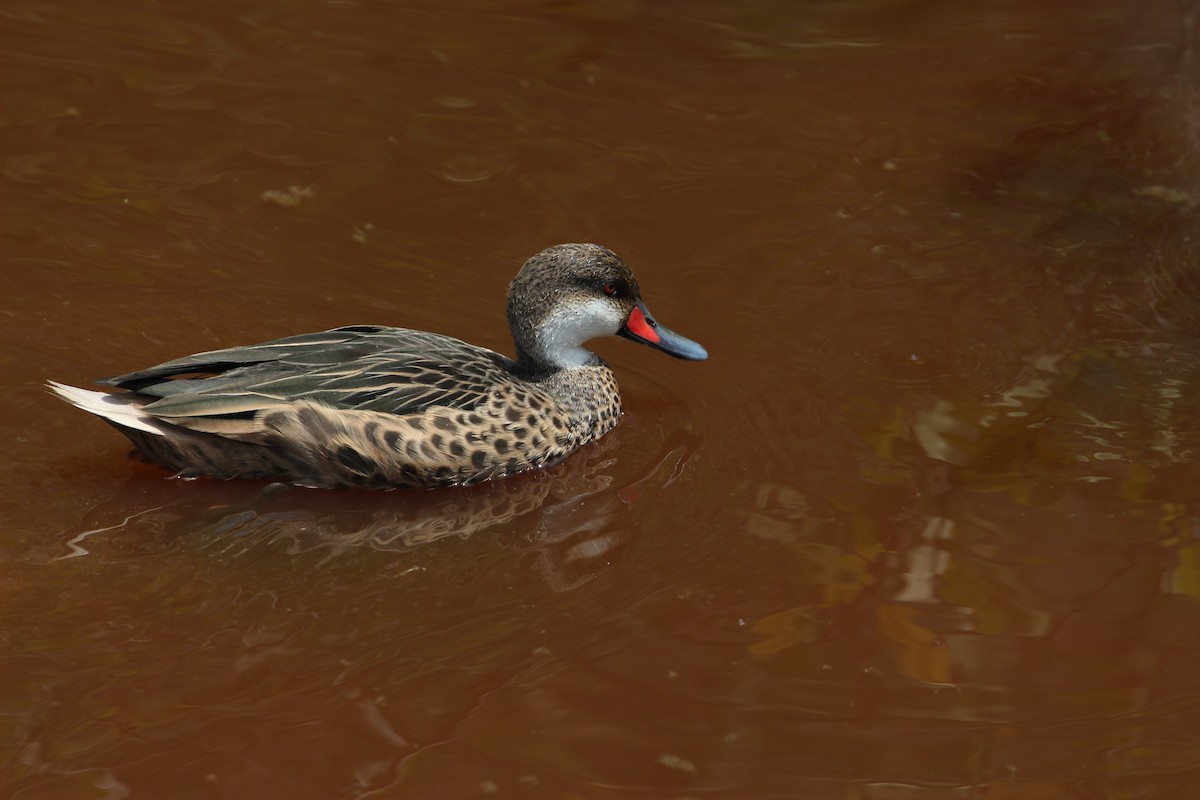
(381, 407)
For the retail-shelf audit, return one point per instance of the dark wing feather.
(361, 367)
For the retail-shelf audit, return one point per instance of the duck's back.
(358, 367)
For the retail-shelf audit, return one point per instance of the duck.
(371, 406)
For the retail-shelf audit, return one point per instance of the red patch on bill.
(638, 326)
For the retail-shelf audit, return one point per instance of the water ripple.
(912, 353)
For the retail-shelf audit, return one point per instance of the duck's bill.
(641, 327)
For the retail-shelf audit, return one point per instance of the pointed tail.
(120, 409)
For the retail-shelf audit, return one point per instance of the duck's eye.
(609, 288)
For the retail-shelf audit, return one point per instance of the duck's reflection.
(573, 517)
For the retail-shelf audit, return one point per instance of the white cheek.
(567, 328)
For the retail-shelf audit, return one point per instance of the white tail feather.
(110, 406)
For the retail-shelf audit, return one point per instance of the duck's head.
(570, 293)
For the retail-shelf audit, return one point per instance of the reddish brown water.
(924, 526)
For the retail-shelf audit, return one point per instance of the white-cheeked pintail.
(380, 407)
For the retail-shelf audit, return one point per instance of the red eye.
(610, 288)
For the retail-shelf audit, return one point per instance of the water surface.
(924, 525)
